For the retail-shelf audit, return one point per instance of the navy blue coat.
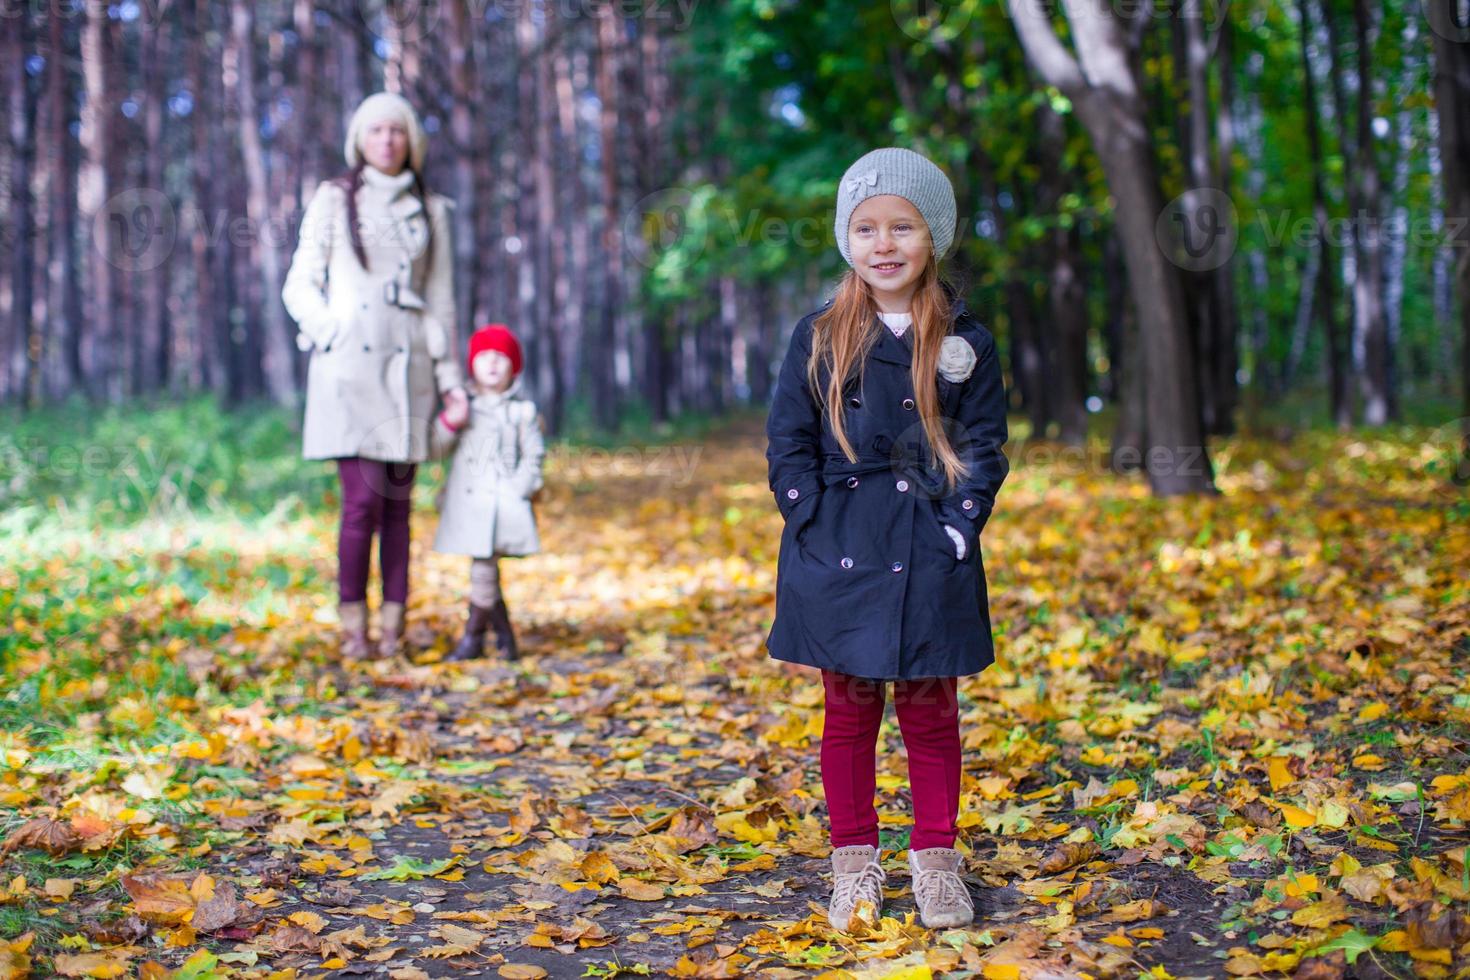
(867, 582)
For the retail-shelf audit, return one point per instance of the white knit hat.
(911, 176)
(380, 106)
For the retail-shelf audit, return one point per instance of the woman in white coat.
(371, 287)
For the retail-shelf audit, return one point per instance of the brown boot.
(352, 639)
(390, 629)
(505, 637)
(472, 645)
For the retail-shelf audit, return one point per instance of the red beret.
(496, 336)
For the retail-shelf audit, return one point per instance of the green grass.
(76, 466)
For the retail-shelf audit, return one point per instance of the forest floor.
(1222, 736)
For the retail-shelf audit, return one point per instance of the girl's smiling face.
(890, 246)
(491, 370)
(385, 146)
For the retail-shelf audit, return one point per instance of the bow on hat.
(854, 185)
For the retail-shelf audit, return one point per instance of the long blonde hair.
(844, 334)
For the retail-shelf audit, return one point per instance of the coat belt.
(909, 465)
(398, 294)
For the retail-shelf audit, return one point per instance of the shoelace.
(867, 883)
(935, 885)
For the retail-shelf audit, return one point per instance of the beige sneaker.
(943, 900)
(856, 876)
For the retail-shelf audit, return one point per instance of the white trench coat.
(379, 338)
(485, 506)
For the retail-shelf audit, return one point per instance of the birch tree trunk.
(1101, 84)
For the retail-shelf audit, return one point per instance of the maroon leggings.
(376, 498)
(929, 718)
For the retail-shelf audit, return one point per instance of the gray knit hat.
(913, 177)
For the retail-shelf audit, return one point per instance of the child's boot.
(505, 637)
(390, 628)
(352, 639)
(856, 875)
(472, 644)
(943, 900)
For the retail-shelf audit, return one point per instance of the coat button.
(366, 347)
(908, 403)
(846, 562)
(852, 481)
(896, 566)
(968, 505)
(903, 486)
(855, 402)
(793, 493)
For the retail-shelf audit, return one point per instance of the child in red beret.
(485, 509)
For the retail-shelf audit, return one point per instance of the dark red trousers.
(376, 499)
(929, 718)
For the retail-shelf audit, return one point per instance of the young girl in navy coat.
(885, 436)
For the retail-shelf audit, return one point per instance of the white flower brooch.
(956, 358)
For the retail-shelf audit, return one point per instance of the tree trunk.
(1200, 283)
(462, 133)
(92, 195)
(1066, 319)
(1452, 105)
(1370, 327)
(1326, 302)
(1111, 108)
(574, 219)
(65, 290)
(209, 333)
(1227, 321)
(21, 352)
(550, 236)
(607, 343)
(277, 350)
(154, 346)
